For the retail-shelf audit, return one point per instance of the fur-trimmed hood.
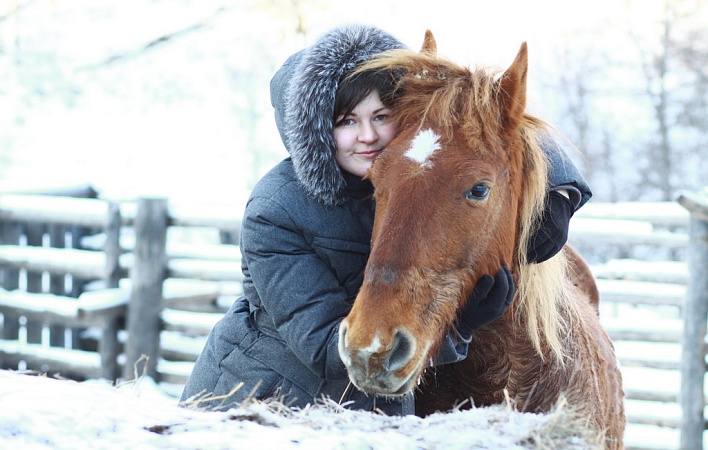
(303, 94)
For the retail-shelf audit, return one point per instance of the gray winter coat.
(305, 242)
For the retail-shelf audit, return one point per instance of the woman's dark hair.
(353, 89)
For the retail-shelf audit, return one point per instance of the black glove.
(488, 301)
(552, 233)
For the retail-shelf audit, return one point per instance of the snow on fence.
(172, 271)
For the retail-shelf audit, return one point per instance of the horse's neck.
(512, 365)
(513, 348)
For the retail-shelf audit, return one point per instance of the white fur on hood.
(303, 95)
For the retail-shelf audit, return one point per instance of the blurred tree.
(675, 67)
(577, 89)
(692, 54)
(637, 108)
(288, 19)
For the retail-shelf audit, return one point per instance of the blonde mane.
(544, 302)
(435, 90)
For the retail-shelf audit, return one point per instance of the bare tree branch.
(161, 40)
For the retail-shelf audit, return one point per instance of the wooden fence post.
(34, 233)
(147, 276)
(108, 346)
(112, 247)
(57, 239)
(695, 312)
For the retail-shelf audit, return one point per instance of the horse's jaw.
(389, 367)
(396, 324)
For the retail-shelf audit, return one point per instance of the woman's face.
(362, 135)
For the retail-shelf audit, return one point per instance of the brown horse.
(458, 193)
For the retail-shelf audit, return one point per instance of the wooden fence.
(112, 291)
(44, 284)
(156, 276)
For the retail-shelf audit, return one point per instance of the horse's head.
(449, 202)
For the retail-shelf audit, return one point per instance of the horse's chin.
(387, 383)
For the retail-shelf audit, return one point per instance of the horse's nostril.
(342, 344)
(401, 353)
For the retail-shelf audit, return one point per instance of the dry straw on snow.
(41, 412)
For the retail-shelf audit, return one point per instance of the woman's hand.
(488, 301)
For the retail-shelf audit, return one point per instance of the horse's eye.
(478, 192)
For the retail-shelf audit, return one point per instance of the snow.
(625, 231)
(44, 413)
(191, 319)
(643, 289)
(655, 212)
(87, 302)
(80, 262)
(628, 269)
(88, 212)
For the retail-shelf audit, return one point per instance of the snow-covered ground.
(37, 412)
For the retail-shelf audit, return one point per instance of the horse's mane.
(431, 89)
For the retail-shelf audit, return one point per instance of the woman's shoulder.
(280, 186)
(280, 176)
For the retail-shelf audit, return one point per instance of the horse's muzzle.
(381, 368)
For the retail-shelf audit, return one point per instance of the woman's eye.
(381, 117)
(478, 192)
(343, 122)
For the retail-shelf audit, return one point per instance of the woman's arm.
(567, 192)
(296, 288)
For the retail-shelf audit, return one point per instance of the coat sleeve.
(563, 175)
(296, 288)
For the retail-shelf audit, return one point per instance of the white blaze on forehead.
(423, 146)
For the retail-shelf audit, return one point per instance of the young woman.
(306, 233)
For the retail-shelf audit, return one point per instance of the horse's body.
(458, 193)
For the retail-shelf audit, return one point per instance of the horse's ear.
(513, 88)
(429, 44)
